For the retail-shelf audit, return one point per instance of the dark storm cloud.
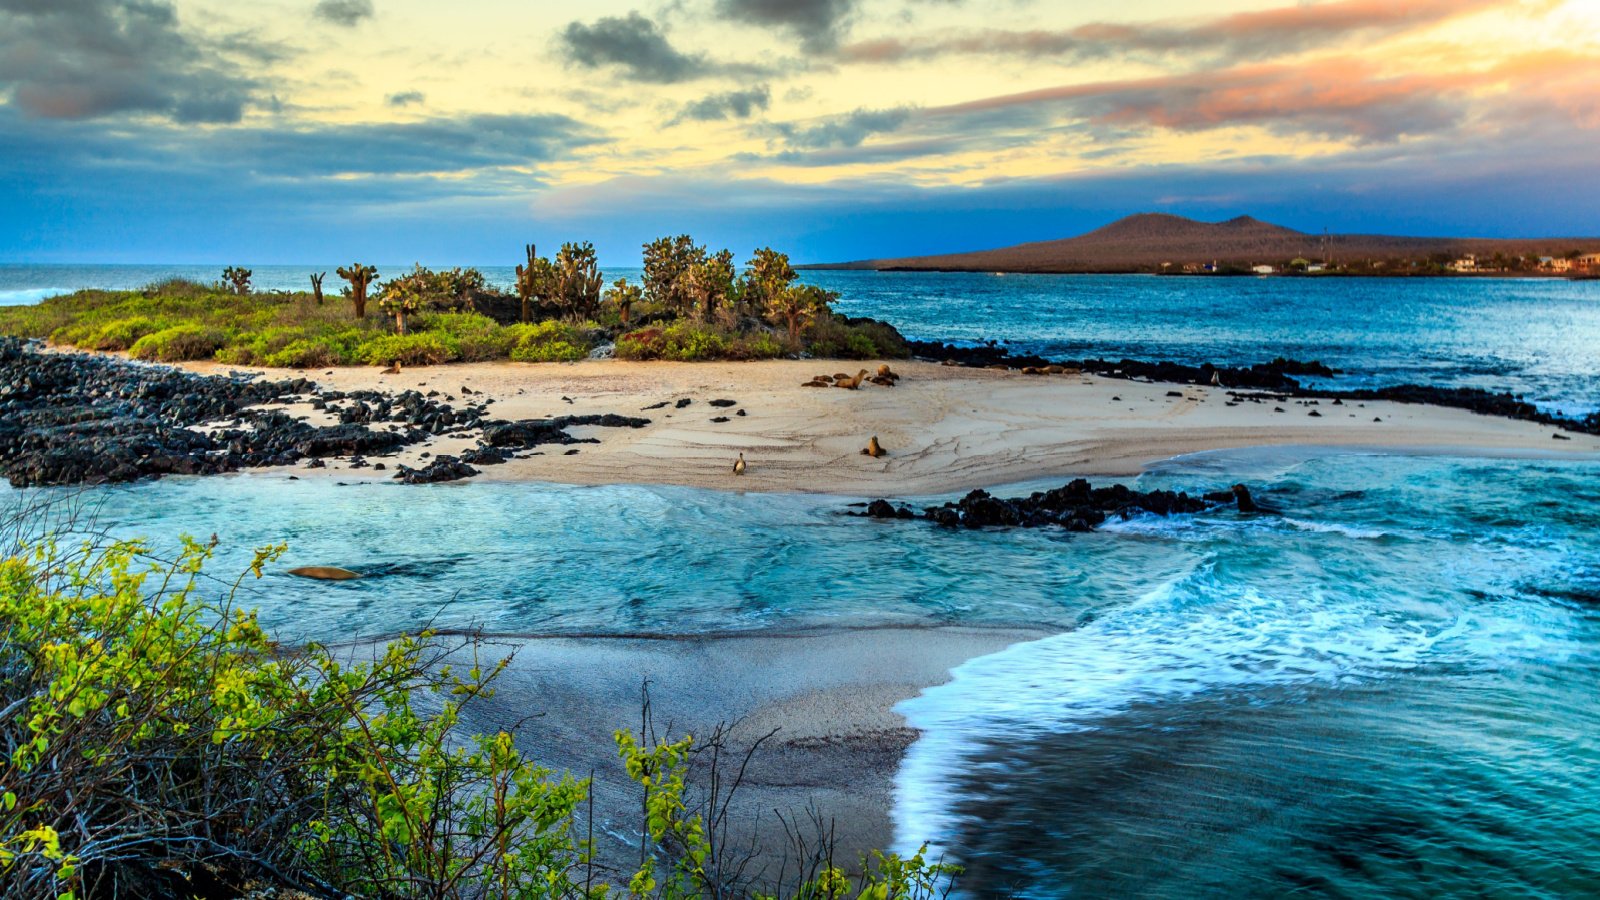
(346, 13)
(633, 44)
(80, 59)
(741, 104)
(818, 24)
(1243, 36)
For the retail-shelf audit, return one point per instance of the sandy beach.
(825, 696)
(945, 428)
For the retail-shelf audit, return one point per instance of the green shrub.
(305, 354)
(118, 334)
(887, 341)
(179, 343)
(758, 345)
(479, 337)
(427, 349)
(833, 338)
(689, 342)
(550, 341)
(644, 343)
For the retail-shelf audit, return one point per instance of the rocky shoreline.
(1279, 377)
(81, 418)
(1076, 506)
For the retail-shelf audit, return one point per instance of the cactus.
(578, 279)
(238, 278)
(535, 281)
(360, 277)
(316, 286)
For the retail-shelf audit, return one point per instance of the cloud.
(1339, 98)
(818, 24)
(406, 98)
(80, 59)
(1254, 35)
(847, 130)
(345, 13)
(633, 44)
(728, 105)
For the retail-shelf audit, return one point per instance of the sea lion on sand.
(325, 573)
(828, 378)
(1032, 370)
(873, 449)
(850, 383)
(1054, 370)
(394, 369)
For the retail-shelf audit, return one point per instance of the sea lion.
(394, 369)
(325, 573)
(1054, 370)
(850, 383)
(828, 378)
(998, 368)
(739, 466)
(1216, 378)
(873, 449)
(1032, 370)
(841, 377)
(815, 383)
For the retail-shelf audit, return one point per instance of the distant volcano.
(1147, 242)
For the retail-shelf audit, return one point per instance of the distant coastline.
(1158, 244)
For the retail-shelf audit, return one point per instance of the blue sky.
(400, 130)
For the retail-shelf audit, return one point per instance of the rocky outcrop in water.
(1076, 506)
(78, 418)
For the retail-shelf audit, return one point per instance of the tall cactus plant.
(360, 278)
(578, 279)
(316, 285)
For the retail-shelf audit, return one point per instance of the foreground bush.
(420, 349)
(547, 342)
(154, 744)
(180, 343)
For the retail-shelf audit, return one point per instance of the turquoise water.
(1388, 690)
(1535, 337)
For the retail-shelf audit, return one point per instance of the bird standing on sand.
(738, 467)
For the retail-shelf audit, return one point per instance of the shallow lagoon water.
(1387, 689)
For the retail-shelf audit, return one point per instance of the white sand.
(945, 428)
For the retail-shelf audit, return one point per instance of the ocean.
(1387, 689)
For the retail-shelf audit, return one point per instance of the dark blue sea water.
(1535, 337)
(1389, 690)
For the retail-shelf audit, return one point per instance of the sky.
(287, 131)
